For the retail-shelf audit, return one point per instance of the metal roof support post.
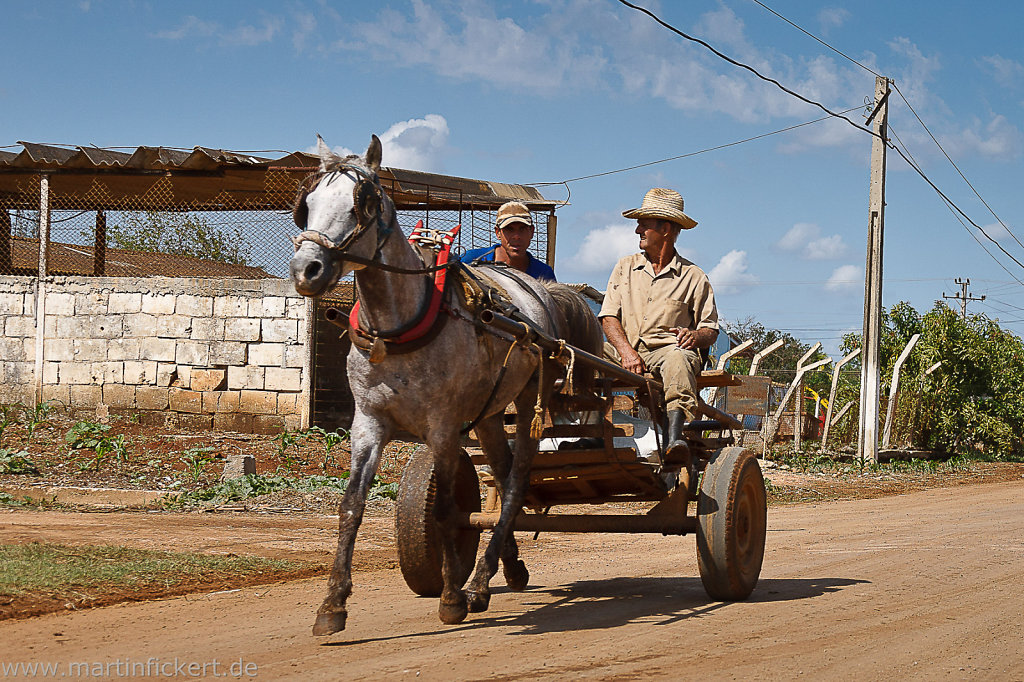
(99, 254)
(832, 395)
(552, 230)
(44, 241)
(894, 389)
(6, 243)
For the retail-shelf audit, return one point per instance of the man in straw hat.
(514, 229)
(659, 311)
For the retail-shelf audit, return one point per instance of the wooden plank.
(716, 377)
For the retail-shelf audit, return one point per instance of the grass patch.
(40, 578)
(255, 485)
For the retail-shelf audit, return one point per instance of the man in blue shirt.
(514, 229)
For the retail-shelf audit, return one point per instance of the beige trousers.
(676, 368)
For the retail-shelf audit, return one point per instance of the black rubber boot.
(676, 447)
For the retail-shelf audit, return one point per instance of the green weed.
(254, 485)
(12, 462)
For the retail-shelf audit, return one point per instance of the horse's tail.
(579, 326)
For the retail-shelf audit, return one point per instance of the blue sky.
(549, 90)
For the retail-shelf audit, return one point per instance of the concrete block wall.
(203, 353)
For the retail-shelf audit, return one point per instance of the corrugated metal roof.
(408, 188)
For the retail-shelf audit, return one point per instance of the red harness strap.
(427, 321)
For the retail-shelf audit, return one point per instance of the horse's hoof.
(329, 622)
(455, 613)
(478, 601)
(516, 575)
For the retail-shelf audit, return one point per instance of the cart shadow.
(604, 604)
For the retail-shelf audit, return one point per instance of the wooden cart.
(725, 483)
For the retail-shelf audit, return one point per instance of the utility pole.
(867, 444)
(963, 297)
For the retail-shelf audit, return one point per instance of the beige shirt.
(648, 305)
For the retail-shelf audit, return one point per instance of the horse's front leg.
(502, 543)
(369, 435)
(452, 608)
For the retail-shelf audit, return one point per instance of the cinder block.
(123, 349)
(194, 306)
(174, 326)
(266, 354)
(241, 329)
(295, 309)
(280, 330)
(207, 329)
(93, 303)
(230, 306)
(268, 424)
(12, 349)
(295, 356)
(109, 372)
(166, 373)
(233, 421)
(20, 326)
(21, 372)
(161, 350)
(293, 422)
(257, 402)
(182, 377)
(158, 304)
(238, 465)
(57, 394)
(279, 379)
(139, 325)
(246, 376)
(195, 422)
(228, 353)
(118, 396)
(12, 304)
(210, 401)
(51, 373)
(60, 304)
(78, 373)
(140, 372)
(208, 379)
(289, 403)
(59, 350)
(184, 400)
(192, 353)
(90, 350)
(121, 302)
(227, 401)
(86, 396)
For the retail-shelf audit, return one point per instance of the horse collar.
(423, 327)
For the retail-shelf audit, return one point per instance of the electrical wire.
(749, 68)
(688, 154)
(937, 144)
(804, 31)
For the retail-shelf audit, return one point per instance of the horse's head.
(341, 211)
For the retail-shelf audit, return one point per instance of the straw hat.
(513, 212)
(666, 204)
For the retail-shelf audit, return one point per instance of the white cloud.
(730, 275)
(845, 279)
(997, 139)
(1008, 72)
(191, 27)
(806, 239)
(417, 144)
(832, 17)
(245, 34)
(598, 252)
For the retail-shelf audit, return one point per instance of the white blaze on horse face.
(331, 212)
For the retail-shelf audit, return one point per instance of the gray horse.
(455, 378)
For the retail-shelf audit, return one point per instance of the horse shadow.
(611, 603)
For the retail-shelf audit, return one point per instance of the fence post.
(894, 389)
(713, 393)
(772, 425)
(832, 396)
(44, 241)
(798, 410)
(760, 355)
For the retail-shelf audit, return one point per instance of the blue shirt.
(537, 269)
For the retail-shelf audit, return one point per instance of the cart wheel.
(416, 532)
(732, 515)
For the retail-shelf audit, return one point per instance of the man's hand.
(628, 356)
(685, 338)
(633, 362)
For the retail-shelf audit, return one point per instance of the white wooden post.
(760, 355)
(893, 390)
(843, 411)
(798, 409)
(832, 395)
(772, 427)
(44, 243)
(713, 393)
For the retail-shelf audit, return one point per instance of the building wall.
(202, 353)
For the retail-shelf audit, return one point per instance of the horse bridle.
(367, 188)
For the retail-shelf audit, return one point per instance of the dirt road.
(920, 586)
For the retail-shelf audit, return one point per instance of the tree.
(184, 234)
(780, 365)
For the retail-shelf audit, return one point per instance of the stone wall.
(202, 353)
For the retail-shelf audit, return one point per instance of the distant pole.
(867, 444)
(963, 297)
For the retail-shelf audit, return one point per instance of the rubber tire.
(416, 531)
(732, 520)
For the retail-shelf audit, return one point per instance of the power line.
(802, 30)
(935, 140)
(748, 68)
(688, 154)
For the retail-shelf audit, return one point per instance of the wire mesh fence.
(171, 225)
